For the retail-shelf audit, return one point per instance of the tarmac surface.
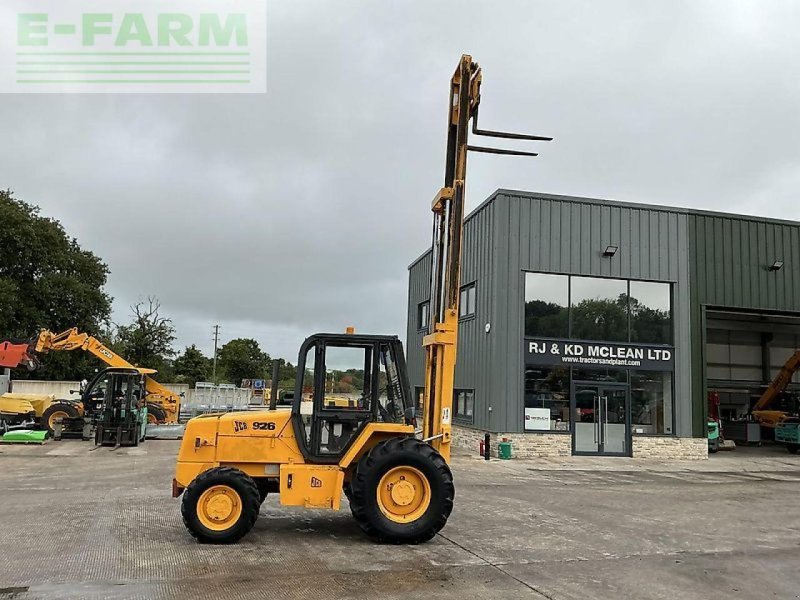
(76, 522)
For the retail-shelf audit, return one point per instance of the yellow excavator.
(397, 478)
(163, 405)
(762, 411)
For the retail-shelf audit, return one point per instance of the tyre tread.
(250, 504)
(371, 461)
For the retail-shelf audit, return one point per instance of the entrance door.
(600, 415)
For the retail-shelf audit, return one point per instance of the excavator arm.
(761, 410)
(72, 339)
(448, 226)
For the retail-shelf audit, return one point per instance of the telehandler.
(163, 405)
(399, 485)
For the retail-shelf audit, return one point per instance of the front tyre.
(220, 505)
(402, 492)
(155, 414)
(57, 410)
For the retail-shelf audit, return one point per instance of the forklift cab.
(121, 416)
(93, 393)
(343, 383)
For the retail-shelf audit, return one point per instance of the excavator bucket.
(14, 355)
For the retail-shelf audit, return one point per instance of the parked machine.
(716, 437)
(765, 411)
(121, 419)
(399, 485)
(163, 405)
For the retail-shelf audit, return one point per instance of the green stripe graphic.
(133, 81)
(165, 62)
(153, 71)
(133, 54)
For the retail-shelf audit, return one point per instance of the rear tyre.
(402, 492)
(57, 411)
(263, 490)
(220, 506)
(155, 414)
(792, 448)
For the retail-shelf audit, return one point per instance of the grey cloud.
(299, 210)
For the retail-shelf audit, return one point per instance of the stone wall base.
(535, 445)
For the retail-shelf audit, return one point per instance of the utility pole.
(216, 343)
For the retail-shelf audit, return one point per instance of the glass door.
(600, 416)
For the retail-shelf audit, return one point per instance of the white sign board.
(537, 419)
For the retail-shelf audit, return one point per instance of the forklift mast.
(448, 226)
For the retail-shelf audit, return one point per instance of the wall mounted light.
(610, 251)
(776, 266)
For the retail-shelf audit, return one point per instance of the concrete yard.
(76, 522)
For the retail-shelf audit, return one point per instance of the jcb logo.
(239, 426)
(316, 483)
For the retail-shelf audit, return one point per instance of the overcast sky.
(298, 211)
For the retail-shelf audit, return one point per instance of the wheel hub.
(220, 507)
(403, 493)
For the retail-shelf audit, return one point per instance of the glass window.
(546, 305)
(347, 378)
(601, 375)
(651, 312)
(307, 395)
(390, 390)
(464, 404)
(651, 402)
(466, 302)
(547, 399)
(599, 309)
(423, 314)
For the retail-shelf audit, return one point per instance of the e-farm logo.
(134, 46)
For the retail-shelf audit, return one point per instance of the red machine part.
(14, 355)
(713, 406)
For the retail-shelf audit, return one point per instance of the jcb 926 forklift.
(399, 485)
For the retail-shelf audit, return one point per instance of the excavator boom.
(761, 411)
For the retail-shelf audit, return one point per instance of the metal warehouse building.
(598, 327)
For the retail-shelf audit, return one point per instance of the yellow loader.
(397, 479)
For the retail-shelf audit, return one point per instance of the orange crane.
(762, 412)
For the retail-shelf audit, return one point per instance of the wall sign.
(588, 355)
(537, 419)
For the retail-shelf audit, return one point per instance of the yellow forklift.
(396, 477)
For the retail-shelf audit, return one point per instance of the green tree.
(546, 319)
(47, 281)
(604, 319)
(147, 341)
(243, 359)
(192, 366)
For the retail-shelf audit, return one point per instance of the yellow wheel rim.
(219, 508)
(151, 418)
(59, 414)
(404, 494)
